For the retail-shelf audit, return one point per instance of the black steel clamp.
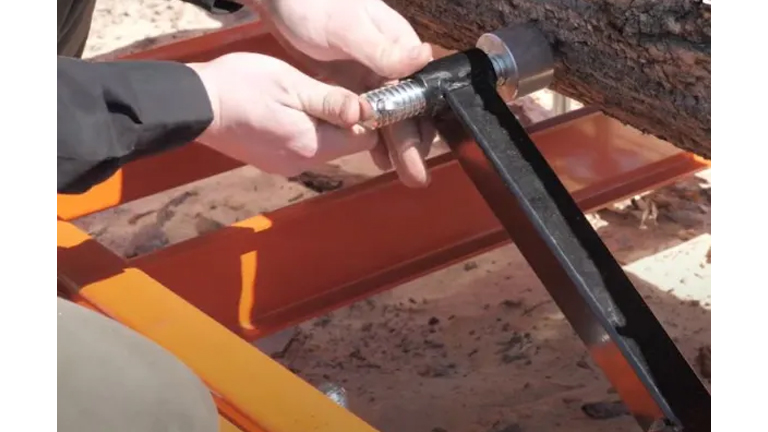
(464, 93)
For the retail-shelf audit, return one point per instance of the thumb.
(388, 59)
(382, 40)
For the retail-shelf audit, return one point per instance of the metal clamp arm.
(461, 92)
(623, 336)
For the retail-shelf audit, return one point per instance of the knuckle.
(330, 104)
(337, 105)
(304, 146)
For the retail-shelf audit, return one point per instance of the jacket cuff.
(170, 98)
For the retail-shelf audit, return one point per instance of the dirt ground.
(477, 347)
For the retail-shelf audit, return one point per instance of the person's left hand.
(361, 45)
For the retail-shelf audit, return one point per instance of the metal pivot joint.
(521, 61)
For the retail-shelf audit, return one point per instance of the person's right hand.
(270, 115)
(361, 45)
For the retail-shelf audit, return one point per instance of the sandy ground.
(477, 347)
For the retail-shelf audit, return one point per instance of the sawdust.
(477, 347)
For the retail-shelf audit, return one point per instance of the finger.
(380, 156)
(400, 50)
(310, 140)
(300, 57)
(333, 104)
(334, 142)
(387, 55)
(394, 61)
(427, 133)
(349, 74)
(403, 140)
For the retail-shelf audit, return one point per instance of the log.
(643, 62)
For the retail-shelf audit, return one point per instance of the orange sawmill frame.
(207, 298)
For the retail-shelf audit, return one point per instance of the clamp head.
(522, 59)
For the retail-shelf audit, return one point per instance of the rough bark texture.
(644, 62)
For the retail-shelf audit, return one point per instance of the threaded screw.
(402, 101)
(336, 393)
(394, 103)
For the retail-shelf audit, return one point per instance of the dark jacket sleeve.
(217, 6)
(111, 113)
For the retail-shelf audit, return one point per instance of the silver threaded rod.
(394, 103)
(402, 101)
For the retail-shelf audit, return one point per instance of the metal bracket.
(597, 298)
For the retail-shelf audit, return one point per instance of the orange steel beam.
(253, 393)
(146, 177)
(245, 276)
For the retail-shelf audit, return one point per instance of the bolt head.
(522, 58)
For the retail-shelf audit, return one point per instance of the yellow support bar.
(226, 426)
(253, 385)
(255, 393)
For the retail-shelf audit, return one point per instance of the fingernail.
(425, 181)
(359, 129)
(416, 52)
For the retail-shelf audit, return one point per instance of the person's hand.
(272, 116)
(363, 44)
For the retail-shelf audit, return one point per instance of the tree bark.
(643, 62)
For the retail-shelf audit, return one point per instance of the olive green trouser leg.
(74, 22)
(112, 379)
